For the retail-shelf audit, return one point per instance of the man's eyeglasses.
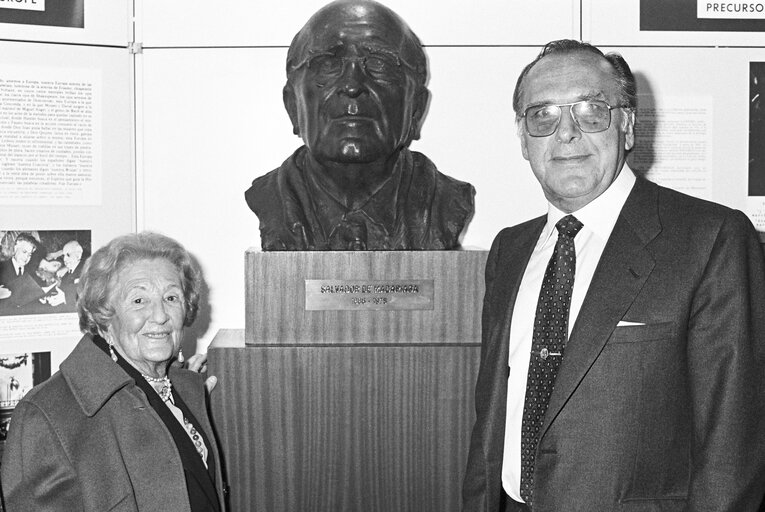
(591, 116)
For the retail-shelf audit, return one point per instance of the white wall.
(209, 115)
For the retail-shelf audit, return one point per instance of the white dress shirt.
(18, 267)
(598, 218)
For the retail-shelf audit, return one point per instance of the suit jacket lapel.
(622, 271)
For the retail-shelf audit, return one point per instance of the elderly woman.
(118, 427)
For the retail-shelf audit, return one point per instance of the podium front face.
(352, 386)
(323, 297)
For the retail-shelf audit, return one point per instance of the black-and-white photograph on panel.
(54, 13)
(756, 129)
(18, 374)
(702, 15)
(39, 270)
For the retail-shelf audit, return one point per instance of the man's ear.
(629, 129)
(288, 96)
(418, 112)
(521, 130)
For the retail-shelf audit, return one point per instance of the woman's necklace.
(165, 392)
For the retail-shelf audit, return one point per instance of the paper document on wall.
(50, 136)
(674, 143)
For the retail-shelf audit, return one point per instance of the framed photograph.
(18, 374)
(40, 270)
(55, 13)
(702, 15)
(757, 129)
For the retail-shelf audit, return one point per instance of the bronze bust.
(356, 94)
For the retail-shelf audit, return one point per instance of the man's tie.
(548, 342)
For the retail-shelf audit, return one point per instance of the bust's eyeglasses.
(591, 116)
(333, 65)
(376, 62)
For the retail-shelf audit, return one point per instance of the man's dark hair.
(28, 238)
(622, 73)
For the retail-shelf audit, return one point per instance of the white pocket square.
(624, 323)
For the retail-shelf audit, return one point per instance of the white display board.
(82, 99)
(197, 23)
(208, 115)
(107, 74)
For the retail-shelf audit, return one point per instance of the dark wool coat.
(88, 440)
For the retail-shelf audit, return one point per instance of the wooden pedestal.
(358, 409)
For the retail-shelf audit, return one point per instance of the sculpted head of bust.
(356, 94)
(356, 83)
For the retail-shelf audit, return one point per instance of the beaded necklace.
(166, 391)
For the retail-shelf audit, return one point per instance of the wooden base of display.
(364, 402)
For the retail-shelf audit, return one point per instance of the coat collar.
(623, 269)
(92, 376)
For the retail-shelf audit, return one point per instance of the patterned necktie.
(548, 342)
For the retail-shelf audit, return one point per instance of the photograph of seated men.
(37, 280)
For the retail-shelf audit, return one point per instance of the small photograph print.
(702, 15)
(54, 13)
(40, 270)
(756, 129)
(18, 374)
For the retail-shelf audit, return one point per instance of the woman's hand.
(198, 363)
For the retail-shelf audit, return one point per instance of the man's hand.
(57, 298)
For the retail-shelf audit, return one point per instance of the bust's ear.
(418, 113)
(288, 96)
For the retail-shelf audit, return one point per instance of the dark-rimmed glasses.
(591, 116)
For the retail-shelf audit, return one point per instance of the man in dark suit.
(634, 381)
(70, 271)
(23, 248)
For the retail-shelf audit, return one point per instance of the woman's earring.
(111, 351)
(181, 359)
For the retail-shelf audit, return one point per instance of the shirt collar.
(600, 214)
